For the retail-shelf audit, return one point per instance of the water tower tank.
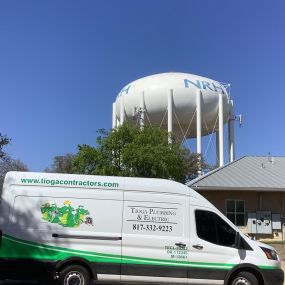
(188, 105)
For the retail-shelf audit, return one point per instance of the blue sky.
(62, 63)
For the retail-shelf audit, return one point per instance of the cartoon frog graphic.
(50, 213)
(66, 215)
(55, 213)
(80, 214)
(46, 211)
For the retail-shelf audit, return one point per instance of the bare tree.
(4, 140)
(7, 163)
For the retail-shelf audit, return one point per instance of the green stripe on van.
(17, 248)
(12, 247)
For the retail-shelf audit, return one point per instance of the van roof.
(94, 181)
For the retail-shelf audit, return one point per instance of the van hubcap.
(241, 281)
(74, 278)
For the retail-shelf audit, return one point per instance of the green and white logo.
(66, 215)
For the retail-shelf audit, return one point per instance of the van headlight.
(270, 253)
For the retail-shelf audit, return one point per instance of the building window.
(235, 211)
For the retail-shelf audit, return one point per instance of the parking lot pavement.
(10, 282)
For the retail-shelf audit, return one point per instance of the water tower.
(188, 105)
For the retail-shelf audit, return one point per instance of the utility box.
(276, 222)
(263, 222)
(251, 223)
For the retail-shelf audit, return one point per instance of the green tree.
(129, 151)
(62, 164)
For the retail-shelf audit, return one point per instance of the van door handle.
(180, 244)
(197, 246)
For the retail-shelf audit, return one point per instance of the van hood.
(264, 245)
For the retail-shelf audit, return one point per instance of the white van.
(75, 228)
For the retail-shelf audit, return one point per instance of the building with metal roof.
(250, 191)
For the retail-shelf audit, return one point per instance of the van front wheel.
(74, 275)
(245, 278)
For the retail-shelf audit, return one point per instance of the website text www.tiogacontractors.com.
(66, 182)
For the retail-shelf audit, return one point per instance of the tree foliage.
(129, 151)
(62, 164)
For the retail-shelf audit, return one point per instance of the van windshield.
(212, 228)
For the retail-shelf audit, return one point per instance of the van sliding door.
(69, 224)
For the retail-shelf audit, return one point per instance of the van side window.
(212, 228)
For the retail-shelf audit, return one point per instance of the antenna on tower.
(239, 119)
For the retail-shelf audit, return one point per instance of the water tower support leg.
(170, 114)
(217, 148)
(199, 125)
(231, 135)
(142, 110)
(122, 111)
(114, 117)
(221, 130)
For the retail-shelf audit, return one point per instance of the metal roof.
(260, 173)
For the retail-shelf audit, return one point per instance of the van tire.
(245, 278)
(73, 275)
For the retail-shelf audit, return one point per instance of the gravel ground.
(283, 267)
(280, 248)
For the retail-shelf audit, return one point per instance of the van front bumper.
(273, 276)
